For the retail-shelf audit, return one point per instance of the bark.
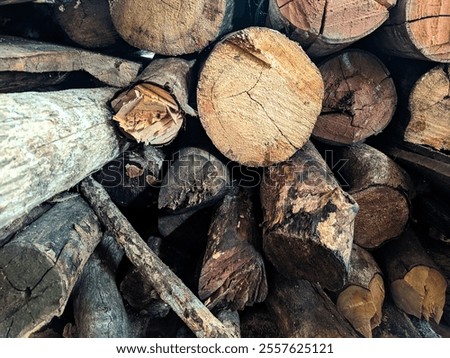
(258, 102)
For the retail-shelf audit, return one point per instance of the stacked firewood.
(261, 168)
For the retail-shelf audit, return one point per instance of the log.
(169, 287)
(417, 286)
(433, 211)
(326, 26)
(308, 220)
(11, 81)
(362, 298)
(98, 308)
(257, 322)
(244, 86)
(381, 190)
(360, 98)
(429, 105)
(24, 55)
(44, 151)
(153, 110)
(56, 246)
(87, 23)
(172, 28)
(302, 310)
(417, 30)
(231, 321)
(233, 275)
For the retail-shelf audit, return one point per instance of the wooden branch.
(360, 98)
(45, 152)
(308, 220)
(40, 266)
(169, 287)
(17, 54)
(258, 102)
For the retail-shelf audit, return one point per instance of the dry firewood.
(417, 29)
(87, 22)
(429, 105)
(169, 287)
(98, 308)
(302, 310)
(360, 98)
(233, 274)
(257, 322)
(24, 81)
(153, 110)
(40, 266)
(381, 190)
(259, 102)
(416, 284)
(172, 28)
(17, 54)
(46, 141)
(362, 297)
(326, 26)
(308, 220)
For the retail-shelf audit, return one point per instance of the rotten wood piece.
(17, 54)
(381, 189)
(233, 275)
(323, 27)
(362, 298)
(40, 266)
(259, 102)
(169, 287)
(360, 98)
(153, 110)
(308, 220)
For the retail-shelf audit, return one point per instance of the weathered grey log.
(40, 266)
(98, 308)
(49, 142)
(169, 287)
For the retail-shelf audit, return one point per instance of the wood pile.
(260, 168)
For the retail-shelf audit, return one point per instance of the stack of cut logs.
(260, 168)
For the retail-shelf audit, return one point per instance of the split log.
(98, 308)
(417, 30)
(40, 266)
(302, 310)
(44, 152)
(11, 81)
(172, 28)
(244, 86)
(169, 287)
(326, 26)
(233, 274)
(360, 98)
(429, 105)
(153, 110)
(87, 22)
(132, 178)
(362, 298)
(23, 55)
(416, 284)
(308, 220)
(381, 190)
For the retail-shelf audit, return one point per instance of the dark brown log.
(23, 55)
(302, 310)
(169, 287)
(417, 29)
(416, 284)
(362, 297)
(326, 26)
(308, 220)
(56, 247)
(172, 28)
(245, 84)
(233, 274)
(98, 308)
(25, 81)
(257, 322)
(360, 98)
(381, 190)
(153, 110)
